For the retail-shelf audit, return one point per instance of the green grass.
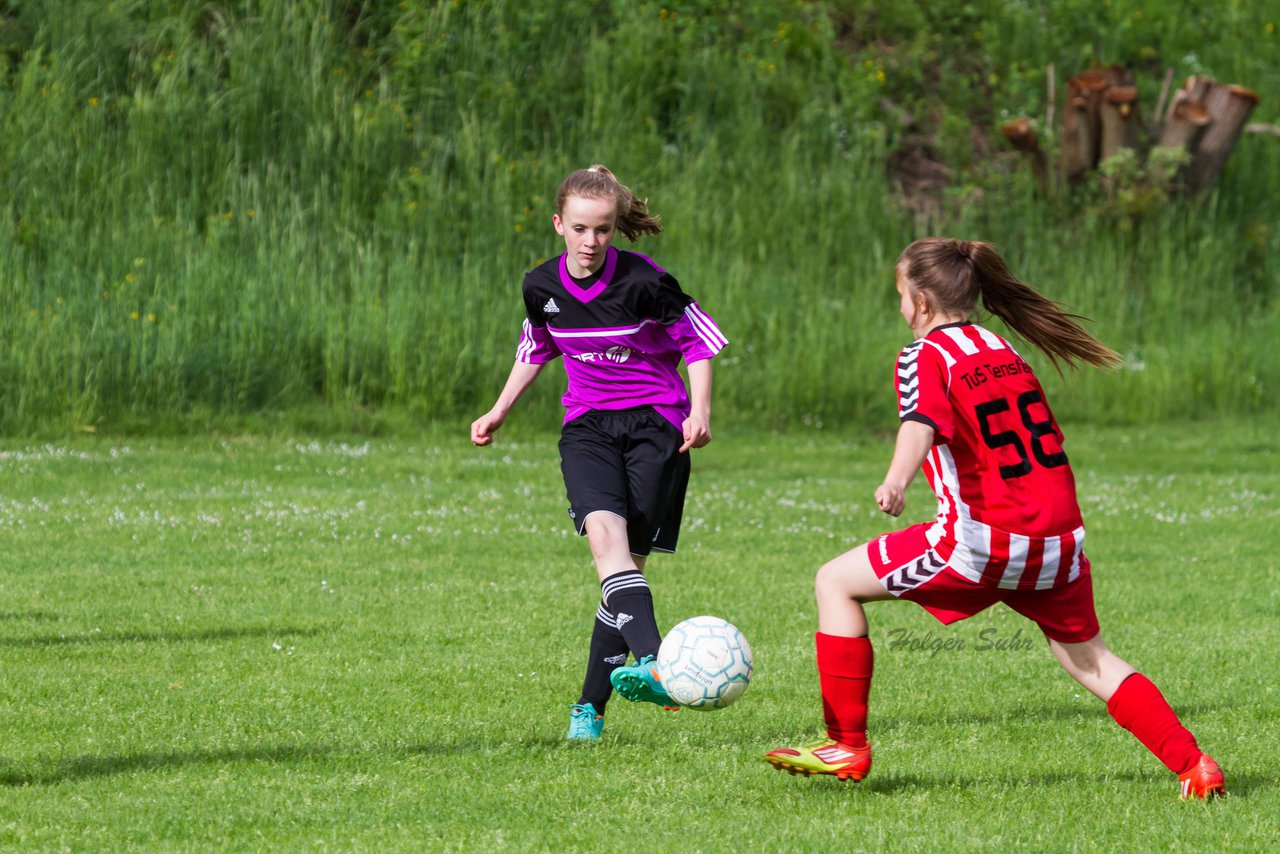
(232, 210)
(294, 644)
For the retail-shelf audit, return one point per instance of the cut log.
(1195, 89)
(1230, 107)
(1184, 126)
(1022, 136)
(1119, 120)
(1082, 118)
(1076, 156)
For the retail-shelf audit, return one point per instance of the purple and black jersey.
(622, 332)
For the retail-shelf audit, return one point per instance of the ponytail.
(597, 182)
(955, 273)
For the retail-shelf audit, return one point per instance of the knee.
(1081, 660)
(605, 532)
(603, 523)
(827, 583)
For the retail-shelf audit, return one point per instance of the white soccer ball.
(705, 663)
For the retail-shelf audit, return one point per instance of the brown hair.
(952, 274)
(597, 182)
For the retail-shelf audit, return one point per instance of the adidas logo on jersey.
(623, 619)
(551, 307)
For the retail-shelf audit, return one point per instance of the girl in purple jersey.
(1008, 529)
(622, 325)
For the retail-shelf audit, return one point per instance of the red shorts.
(1064, 614)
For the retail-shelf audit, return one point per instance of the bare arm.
(913, 444)
(697, 427)
(522, 376)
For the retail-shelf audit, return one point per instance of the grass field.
(283, 644)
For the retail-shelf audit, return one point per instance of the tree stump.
(1193, 90)
(1101, 118)
(1080, 127)
(1184, 126)
(1230, 107)
(1022, 136)
(1119, 119)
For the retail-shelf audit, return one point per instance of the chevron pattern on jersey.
(914, 574)
(909, 378)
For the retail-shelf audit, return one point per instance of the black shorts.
(627, 463)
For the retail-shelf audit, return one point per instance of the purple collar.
(586, 295)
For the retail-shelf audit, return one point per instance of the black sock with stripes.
(608, 650)
(627, 595)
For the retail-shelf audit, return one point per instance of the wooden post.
(1119, 119)
(1021, 136)
(1051, 83)
(1157, 117)
(1229, 107)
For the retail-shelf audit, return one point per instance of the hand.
(697, 432)
(890, 498)
(483, 428)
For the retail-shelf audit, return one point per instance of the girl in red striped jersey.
(975, 419)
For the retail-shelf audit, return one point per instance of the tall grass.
(264, 206)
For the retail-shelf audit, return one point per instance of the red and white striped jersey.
(1007, 507)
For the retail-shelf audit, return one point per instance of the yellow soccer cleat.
(827, 756)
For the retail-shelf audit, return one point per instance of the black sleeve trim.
(925, 420)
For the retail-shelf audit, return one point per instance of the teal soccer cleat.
(640, 683)
(585, 724)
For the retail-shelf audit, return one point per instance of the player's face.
(588, 227)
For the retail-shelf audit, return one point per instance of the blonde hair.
(953, 274)
(597, 182)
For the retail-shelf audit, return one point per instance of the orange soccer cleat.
(1203, 781)
(827, 756)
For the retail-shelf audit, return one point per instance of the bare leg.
(1136, 704)
(1093, 665)
(841, 586)
(845, 661)
(607, 535)
(624, 589)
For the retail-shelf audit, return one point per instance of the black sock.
(627, 595)
(608, 650)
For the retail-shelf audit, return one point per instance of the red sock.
(1138, 706)
(844, 672)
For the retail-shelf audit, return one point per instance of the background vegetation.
(321, 209)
